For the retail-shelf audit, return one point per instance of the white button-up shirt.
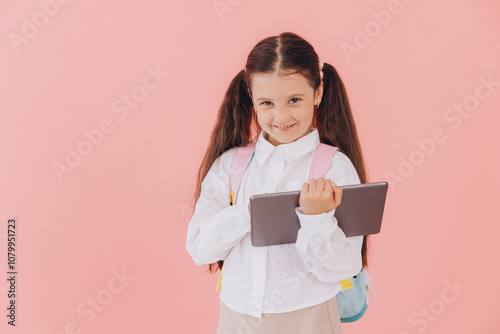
(278, 278)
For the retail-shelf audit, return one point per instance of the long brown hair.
(237, 124)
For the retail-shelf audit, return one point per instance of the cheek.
(264, 118)
(305, 114)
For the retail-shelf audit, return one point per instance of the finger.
(337, 193)
(305, 187)
(313, 183)
(321, 184)
(329, 186)
(337, 188)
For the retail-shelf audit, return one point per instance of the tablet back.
(274, 220)
(284, 230)
(362, 208)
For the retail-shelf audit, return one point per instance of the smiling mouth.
(284, 127)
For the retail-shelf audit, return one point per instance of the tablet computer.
(274, 220)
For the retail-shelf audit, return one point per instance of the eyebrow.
(266, 98)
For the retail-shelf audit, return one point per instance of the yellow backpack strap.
(231, 202)
(231, 198)
(346, 284)
(220, 279)
(369, 286)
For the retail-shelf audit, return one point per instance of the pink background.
(123, 206)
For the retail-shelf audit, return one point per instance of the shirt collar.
(289, 151)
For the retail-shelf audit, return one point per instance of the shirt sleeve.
(216, 226)
(321, 243)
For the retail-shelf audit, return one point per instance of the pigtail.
(236, 120)
(336, 127)
(232, 128)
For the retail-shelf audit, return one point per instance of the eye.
(295, 98)
(264, 103)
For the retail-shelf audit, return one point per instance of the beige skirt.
(323, 318)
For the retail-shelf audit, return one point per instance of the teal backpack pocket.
(353, 301)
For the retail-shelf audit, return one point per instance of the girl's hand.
(319, 196)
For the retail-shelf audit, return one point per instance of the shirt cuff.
(313, 220)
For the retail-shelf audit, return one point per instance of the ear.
(319, 93)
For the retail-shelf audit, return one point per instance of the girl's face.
(284, 106)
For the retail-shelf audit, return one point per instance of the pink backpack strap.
(322, 161)
(239, 165)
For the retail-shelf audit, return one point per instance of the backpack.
(352, 300)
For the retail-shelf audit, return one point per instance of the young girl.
(292, 101)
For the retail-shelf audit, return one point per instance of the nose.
(280, 113)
